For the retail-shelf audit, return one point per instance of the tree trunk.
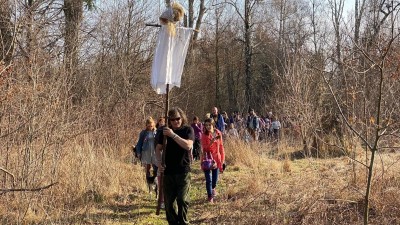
(73, 10)
(248, 51)
(359, 11)
(230, 82)
(314, 27)
(217, 69)
(337, 14)
(199, 19)
(31, 41)
(6, 37)
(191, 13)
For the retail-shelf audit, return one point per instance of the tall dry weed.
(238, 152)
(86, 176)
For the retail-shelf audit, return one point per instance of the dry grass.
(306, 191)
(86, 176)
(239, 153)
(100, 185)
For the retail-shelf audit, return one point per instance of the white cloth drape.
(169, 58)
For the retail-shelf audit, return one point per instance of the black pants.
(196, 149)
(176, 198)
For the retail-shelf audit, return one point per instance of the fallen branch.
(9, 173)
(335, 200)
(6, 171)
(3, 191)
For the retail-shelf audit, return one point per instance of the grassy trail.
(142, 209)
(269, 191)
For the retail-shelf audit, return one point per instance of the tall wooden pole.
(161, 180)
(161, 184)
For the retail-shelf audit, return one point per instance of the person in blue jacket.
(145, 146)
(219, 120)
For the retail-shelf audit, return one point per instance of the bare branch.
(9, 173)
(3, 191)
(233, 5)
(343, 116)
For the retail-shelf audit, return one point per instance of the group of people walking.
(188, 143)
(185, 143)
(250, 127)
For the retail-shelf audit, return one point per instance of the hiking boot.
(214, 192)
(210, 199)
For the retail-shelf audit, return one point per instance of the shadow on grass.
(128, 212)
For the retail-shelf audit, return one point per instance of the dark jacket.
(220, 124)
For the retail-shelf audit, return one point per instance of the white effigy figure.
(171, 50)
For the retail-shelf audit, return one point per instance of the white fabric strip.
(169, 58)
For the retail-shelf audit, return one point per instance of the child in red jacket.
(211, 141)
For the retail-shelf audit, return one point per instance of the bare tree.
(199, 20)
(379, 13)
(248, 30)
(371, 125)
(247, 19)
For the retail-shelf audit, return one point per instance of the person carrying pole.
(169, 59)
(176, 167)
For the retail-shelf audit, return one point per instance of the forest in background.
(75, 77)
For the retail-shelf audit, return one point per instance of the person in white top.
(232, 132)
(276, 126)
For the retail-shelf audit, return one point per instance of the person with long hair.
(211, 141)
(145, 147)
(176, 166)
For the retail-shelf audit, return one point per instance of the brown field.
(260, 186)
